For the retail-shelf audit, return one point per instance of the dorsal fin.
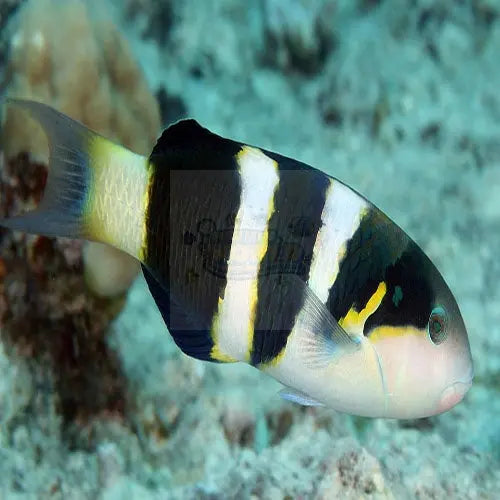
(184, 133)
(188, 145)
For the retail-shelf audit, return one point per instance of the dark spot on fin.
(192, 338)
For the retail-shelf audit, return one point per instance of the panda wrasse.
(258, 258)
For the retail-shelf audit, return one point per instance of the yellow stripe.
(145, 204)
(278, 358)
(387, 331)
(215, 353)
(354, 321)
(218, 355)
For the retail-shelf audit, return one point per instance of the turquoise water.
(398, 99)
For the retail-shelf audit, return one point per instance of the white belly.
(352, 384)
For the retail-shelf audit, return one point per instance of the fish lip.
(453, 394)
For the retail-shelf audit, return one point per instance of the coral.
(61, 56)
(108, 272)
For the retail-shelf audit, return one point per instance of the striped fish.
(255, 257)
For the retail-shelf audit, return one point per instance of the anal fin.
(299, 397)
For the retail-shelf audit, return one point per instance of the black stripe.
(410, 296)
(376, 244)
(194, 194)
(293, 228)
(196, 343)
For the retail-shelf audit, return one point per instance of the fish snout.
(452, 395)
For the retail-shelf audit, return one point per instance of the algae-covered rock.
(63, 55)
(48, 315)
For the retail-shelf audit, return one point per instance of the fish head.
(420, 340)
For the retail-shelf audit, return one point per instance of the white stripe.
(259, 179)
(340, 218)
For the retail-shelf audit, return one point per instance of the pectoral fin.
(322, 340)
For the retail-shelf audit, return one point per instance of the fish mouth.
(453, 394)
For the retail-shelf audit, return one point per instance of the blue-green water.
(399, 99)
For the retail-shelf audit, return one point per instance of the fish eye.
(436, 328)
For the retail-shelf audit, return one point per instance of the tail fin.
(61, 211)
(96, 189)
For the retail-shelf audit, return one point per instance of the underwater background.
(397, 98)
